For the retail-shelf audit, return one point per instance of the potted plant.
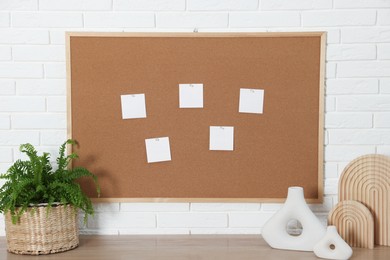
(41, 203)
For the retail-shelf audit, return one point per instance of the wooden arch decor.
(367, 180)
(354, 223)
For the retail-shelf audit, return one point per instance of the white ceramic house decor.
(274, 231)
(332, 246)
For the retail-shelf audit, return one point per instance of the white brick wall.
(33, 88)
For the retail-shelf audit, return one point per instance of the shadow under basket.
(40, 232)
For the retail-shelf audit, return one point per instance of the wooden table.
(174, 247)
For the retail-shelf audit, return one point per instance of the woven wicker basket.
(40, 232)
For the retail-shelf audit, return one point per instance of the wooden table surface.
(174, 247)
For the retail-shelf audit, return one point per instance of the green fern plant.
(32, 182)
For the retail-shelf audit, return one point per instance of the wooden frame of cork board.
(280, 148)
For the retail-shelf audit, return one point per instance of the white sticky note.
(190, 95)
(158, 149)
(251, 100)
(133, 106)
(221, 138)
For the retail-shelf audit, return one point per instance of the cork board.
(280, 148)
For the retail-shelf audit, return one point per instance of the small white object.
(221, 138)
(190, 95)
(274, 231)
(158, 149)
(251, 101)
(133, 106)
(332, 246)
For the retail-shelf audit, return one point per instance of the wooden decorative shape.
(367, 180)
(354, 223)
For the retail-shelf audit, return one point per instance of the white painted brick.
(7, 87)
(246, 220)
(351, 52)
(346, 152)
(330, 70)
(17, 36)
(51, 150)
(99, 232)
(384, 51)
(331, 170)
(3, 169)
(326, 205)
(105, 207)
(37, 121)
(187, 220)
(5, 154)
(331, 187)
(384, 86)
(191, 20)
(18, 137)
(149, 5)
(5, 122)
(225, 206)
(363, 69)
(21, 70)
(157, 207)
(366, 136)
(330, 104)
(382, 120)
(342, 166)
(383, 17)
(57, 37)
(5, 53)
(154, 231)
(295, 4)
(19, 5)
(364, 103)
(271, 206)
(46, 19)
(339, 18)
(160, 30)
(264, 19)
(55, 70)
(361, 3)
(53, 137)
(352, 86)
(110, 220)
(56, 104)
(323, 217)
(119, 19)
(332, 34)
(22, 104)
(221, 5)
(348, 120)
(75, 5)
(38, 53)
(366, 34)
(38, 87)
(225, 231)
(4, 19)
(383, 149)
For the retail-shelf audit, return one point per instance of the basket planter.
(40, 232)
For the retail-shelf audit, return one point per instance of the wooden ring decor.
(367, 180)
(354, 223)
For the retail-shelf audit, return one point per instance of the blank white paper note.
(251, 100)
(158, 149)
(221, 138)
(190, 95)
(133, 106)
